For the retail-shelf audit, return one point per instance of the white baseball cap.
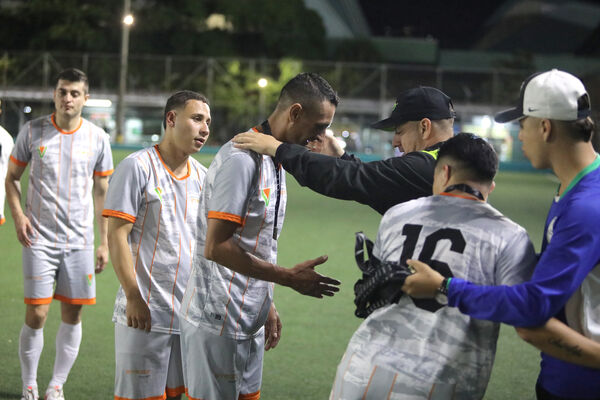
(552, 94)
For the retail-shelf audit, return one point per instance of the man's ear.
(170, 117)
(492, 187)
(546, 130)
(425, 128)
(294, 112)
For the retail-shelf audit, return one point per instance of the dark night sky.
(455, 24)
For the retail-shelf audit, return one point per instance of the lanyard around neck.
(463, 187)
(266, 128)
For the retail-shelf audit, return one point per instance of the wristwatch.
(441, 293)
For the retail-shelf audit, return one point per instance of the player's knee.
(71, 313)
(35, 316)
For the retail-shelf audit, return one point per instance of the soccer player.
(151, 205)
(556, 129)
(70, 160)
(6, 146)
(422, 119)
(416, 349)
(229, 293)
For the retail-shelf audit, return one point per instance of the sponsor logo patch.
(42, 151)
(159, 192)
(90, 279)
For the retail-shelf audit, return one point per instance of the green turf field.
(315, 332)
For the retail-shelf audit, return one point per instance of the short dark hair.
(579, 130)
(73, 75)
(305, 88)
(474, 157)
(179, 99)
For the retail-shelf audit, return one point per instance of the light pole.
(127, 21)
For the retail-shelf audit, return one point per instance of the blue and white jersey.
(565, 284)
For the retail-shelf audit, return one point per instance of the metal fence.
(162, 74)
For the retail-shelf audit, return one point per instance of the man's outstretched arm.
(221, 248)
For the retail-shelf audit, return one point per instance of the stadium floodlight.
(263, 82)
(128, 19)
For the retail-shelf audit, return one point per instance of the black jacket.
(378, 184)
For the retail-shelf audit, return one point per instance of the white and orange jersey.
(249, 189)
(60, 204)
(163, 210)
(6, 147)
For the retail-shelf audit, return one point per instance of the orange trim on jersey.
(173, 293)
(369, 384)
(65, 132)
(226, 216)
(392, 387)
(190, 397)
(2, 221)
(460, 196)
(18, 162)
(103, 173)
(249, 396)
(227, 305)
(46, 300)
(169, 169)
(161, 397)
(75, 301)
(172, 392)
(118, 214)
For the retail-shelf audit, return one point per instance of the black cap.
(416, 104)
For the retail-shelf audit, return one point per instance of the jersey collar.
(592, 167)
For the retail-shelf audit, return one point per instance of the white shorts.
(148, 364)
(357, 379)
(219, 367)
(71, 269)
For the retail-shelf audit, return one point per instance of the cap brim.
(385, 124)
(508, 115)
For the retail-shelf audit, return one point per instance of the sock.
(31, 343)
(68, 339)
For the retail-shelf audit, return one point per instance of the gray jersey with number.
(240, 186)
(424, 347)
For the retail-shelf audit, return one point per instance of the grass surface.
(315, 332)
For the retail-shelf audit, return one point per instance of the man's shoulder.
(241, 156)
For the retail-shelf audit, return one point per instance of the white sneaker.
(30, 393)
(54, 393)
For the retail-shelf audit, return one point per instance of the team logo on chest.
(42, 151)
(159, 192)
(266, 195)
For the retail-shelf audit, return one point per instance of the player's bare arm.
(559, 340)
(138, 313)
(99, 192)
(221, 248)
(13, 198)
(258, 142)
(272, 329)
(424, 281)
